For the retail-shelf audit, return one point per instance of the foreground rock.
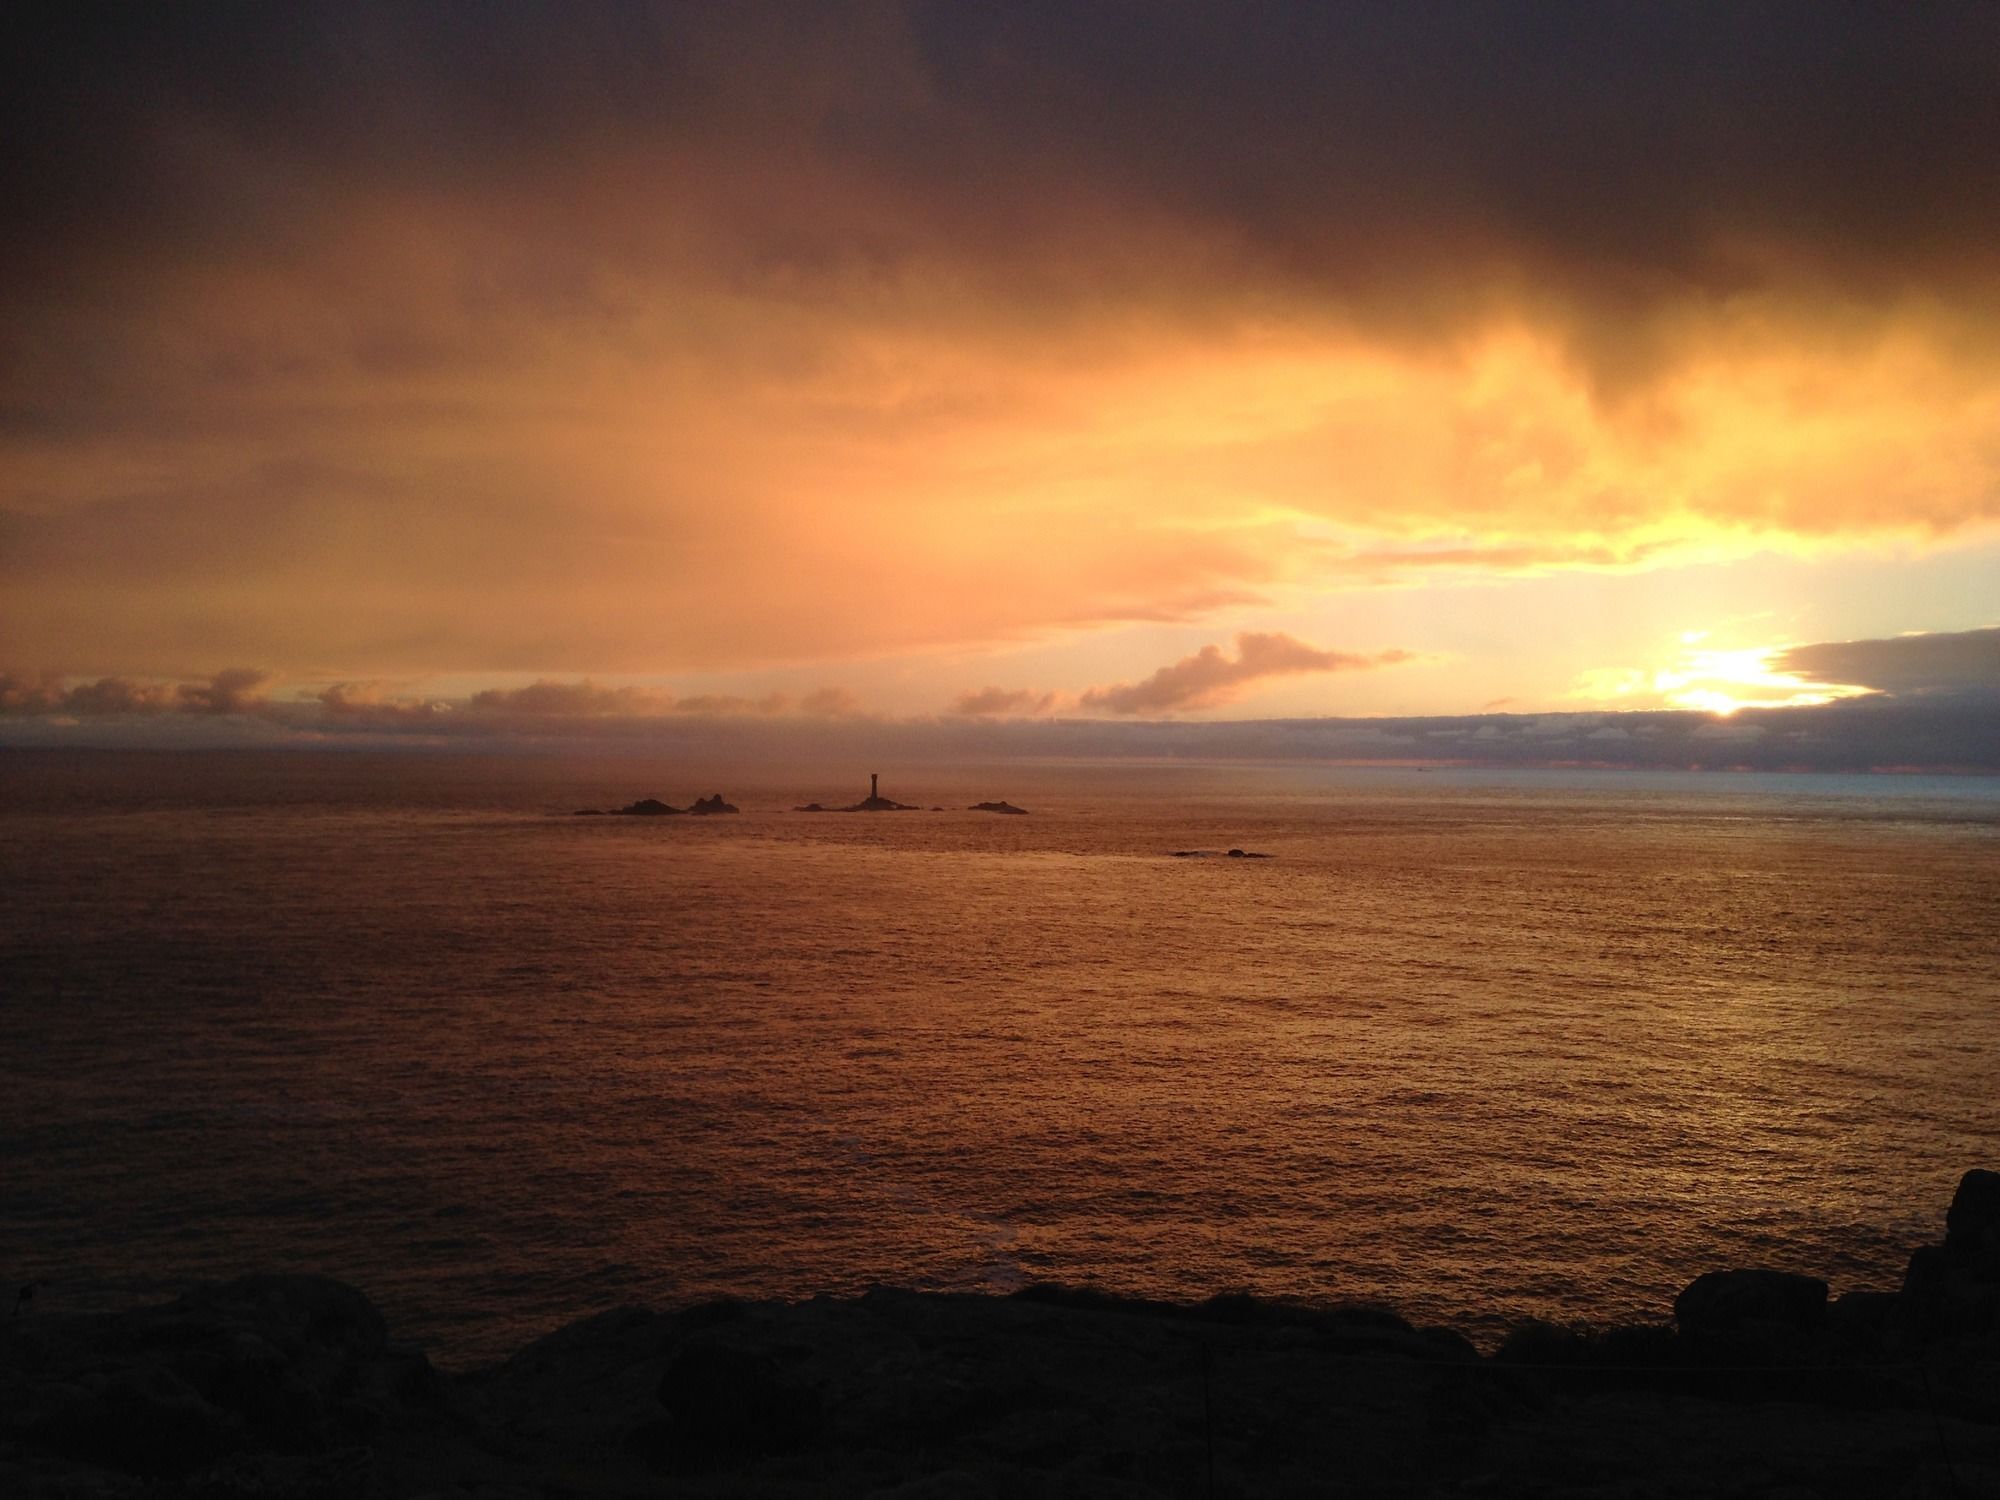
(289, 1386)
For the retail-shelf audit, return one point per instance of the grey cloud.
(731, 705)
(571, 700)
(1927, 732)
(1947, 662)
(1208, 677)
(997, 701)
(1394, 159)
(829, 703)
(230, 692)
(370, 703)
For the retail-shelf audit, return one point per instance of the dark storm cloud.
(1625, 155)
(374, 340)
(1961, 661)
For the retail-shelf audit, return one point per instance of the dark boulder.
(272, 1364)
(144, 1419)
(727, 1399)
(1951, 1292)
(1972, 1223)
(1729, 1301)
(589, 1385)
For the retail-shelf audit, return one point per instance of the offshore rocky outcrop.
(1760, 1386)
(873, 802)
(653, 807)
(998, 807)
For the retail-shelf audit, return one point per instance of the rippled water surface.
(1480, 1046)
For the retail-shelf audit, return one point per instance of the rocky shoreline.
(1759, 1386)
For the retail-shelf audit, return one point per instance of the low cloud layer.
(1962, 661)
(1924, 729)
(1208, 678)
(234, 691)
(998, 702)
(571, 700)
(534, 709)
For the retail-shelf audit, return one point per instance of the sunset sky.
(385, 364)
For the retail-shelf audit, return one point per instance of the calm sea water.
(1482, 1047)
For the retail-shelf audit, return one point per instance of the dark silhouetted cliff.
(1762, 1386)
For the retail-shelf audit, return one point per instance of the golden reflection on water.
(1479, 1051)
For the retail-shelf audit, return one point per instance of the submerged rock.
(997, 807)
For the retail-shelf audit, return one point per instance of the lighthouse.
(872, 793)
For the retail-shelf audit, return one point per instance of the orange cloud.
(997, 702)
(830, 703)
(839, 356)
(229, 692)
(571, 700)
(1208, 678)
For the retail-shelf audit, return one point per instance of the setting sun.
(1713, 680)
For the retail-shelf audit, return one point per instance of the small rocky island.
(1758, 1385)
(873, 802)
(1211, 854)
(653, 807)
(998, 807)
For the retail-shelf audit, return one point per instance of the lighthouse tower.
(872, 793)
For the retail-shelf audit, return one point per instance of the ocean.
(1479, 1046)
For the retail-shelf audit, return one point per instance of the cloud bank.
(1209, 678)
(997, 702)
(230, 692)
(1938, 710)
(1963, 661)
